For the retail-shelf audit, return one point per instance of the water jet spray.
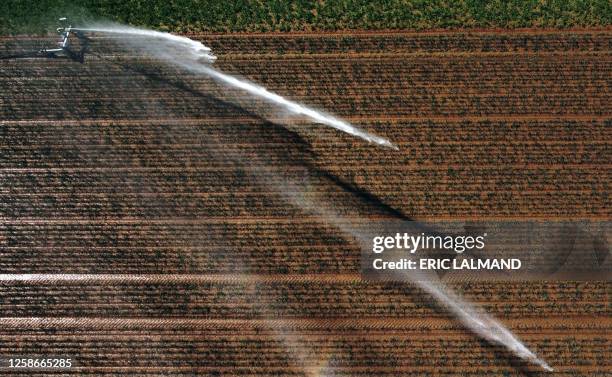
(195, 57)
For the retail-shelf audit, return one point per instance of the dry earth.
(156, 209)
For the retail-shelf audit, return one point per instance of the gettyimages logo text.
(413, 243)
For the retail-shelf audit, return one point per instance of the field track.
(145, 227)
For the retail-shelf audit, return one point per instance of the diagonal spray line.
(480, 323)
(187, 54)
(472, 317)
(291, 106)
(194, 56)
(304, 196)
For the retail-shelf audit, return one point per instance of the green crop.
(39, 16)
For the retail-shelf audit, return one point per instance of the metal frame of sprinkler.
(64, 51)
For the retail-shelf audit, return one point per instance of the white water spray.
(194, 56)
(295, 107)
(189, 54)
(177, 43)
(481, 323)
(472, 317)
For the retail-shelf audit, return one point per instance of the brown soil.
(150, 207)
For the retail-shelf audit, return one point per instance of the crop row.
(420, 89)
(146, 106)
(433, 73)
(403, 43)
(311, 289)
(244, 131)
(247, 205)
(411, 105)
(191, 260)
(71, 154)
(425, 205)
(179, 233)
(267, 350)
(271, 300)
(366, 43)
(418, 70)
(305, 91)
(194, 181)
(320, 77)
(263, 309)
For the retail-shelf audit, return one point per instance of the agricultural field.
(188, 16)
(158, 212)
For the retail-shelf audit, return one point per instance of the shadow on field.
(289, 159)
(297, 153)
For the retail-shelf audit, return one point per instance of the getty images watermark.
(458, 244)
(498, 250)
